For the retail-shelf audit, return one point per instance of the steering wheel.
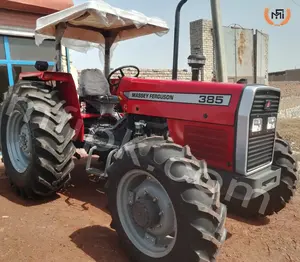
(114, 86)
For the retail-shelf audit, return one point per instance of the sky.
(157, 52)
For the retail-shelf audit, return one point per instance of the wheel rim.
(18, 141)
(146, 213)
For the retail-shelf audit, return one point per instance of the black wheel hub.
(145, 213)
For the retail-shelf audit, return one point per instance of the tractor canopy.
(96, 24)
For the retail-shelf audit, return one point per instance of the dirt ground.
(74, 226)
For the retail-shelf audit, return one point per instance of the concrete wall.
(288, 88)
(290, 98)
(239, 44)
(245, 51)
(201, 37)
(261, 53)
(287, 75)
(161, 74)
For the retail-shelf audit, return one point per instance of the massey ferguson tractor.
(172, 149)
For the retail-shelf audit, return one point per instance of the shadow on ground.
(90, 193)
(10, 194)
(83, 189)
(99, 243)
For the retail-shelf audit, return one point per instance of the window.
(2, 52)
(18, 55)
(25, 49)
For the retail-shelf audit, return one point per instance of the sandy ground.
(74, 226)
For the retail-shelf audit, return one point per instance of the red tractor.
(152, 134)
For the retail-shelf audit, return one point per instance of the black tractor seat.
(103, 99)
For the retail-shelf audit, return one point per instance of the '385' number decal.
(214, 99)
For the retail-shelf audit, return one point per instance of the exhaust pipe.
(176, 39)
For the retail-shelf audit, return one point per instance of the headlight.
(271, 122)
(256, 125)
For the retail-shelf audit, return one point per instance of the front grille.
(260, 99)
(261, 144)
(260, 150)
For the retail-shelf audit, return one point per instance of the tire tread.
(52, 140)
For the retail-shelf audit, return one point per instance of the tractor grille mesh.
(261, 145)
(260, 150)
(260, 100)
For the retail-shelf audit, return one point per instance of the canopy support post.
(109, 40)
(107, 57)
(60, 30)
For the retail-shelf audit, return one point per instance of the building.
(286, 75)
(246, 51)
(18, 51)
(160, 74)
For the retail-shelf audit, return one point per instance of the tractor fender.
(67, 91)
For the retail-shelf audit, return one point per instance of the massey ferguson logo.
(267, 105)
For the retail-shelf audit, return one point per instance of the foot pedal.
(94, 171)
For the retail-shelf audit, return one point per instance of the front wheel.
(279, 196)
(163, 206)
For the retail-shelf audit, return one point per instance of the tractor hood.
(88, 23)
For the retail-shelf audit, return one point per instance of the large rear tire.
(163, 206)
(36, 139)
(279, 196)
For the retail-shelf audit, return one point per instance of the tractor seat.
(107, 99)
(94, 90)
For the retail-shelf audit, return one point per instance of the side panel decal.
(201, 99)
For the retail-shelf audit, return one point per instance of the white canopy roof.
(87, 20)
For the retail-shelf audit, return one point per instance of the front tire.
(280, 196)
(163, 207)
(283, 194)
(36, 139)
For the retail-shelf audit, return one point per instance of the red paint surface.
(209, 130)
(211, 137)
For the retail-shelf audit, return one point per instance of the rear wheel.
(36, 140)
(163, 205)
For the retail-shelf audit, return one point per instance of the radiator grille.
(261, 145)
(261, 97)
(260, 150)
